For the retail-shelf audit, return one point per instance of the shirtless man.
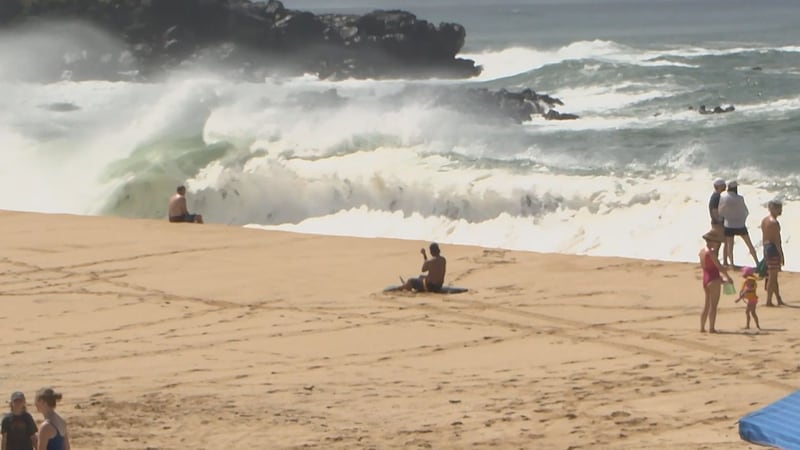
(773, 251)
(435, 266)
(178, 212)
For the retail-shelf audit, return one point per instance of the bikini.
(710, 271)
(56, 442)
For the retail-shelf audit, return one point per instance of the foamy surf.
(629, 178)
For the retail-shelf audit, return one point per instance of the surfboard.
(444, 290)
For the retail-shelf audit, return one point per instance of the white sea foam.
(512, 61)
(516, 60)
(614, 96)
(666, 229)
(409, 170)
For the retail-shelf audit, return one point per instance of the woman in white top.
(734, 212)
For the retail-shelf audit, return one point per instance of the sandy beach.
(176, 336)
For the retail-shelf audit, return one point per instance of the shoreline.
(740, 248)
(176, 329)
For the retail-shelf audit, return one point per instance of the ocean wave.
(670, 230)
(262, 153)
(514, 61)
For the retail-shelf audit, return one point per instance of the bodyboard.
(444, 290)
(776, 425)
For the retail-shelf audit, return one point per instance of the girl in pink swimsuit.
(712, 279)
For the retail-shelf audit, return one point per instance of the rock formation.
(252, 39)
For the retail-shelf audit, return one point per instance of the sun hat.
(719, 182)
(17, 395)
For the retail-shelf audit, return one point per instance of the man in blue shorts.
(178, 212)
(773, 250)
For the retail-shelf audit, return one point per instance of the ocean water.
(630, 178)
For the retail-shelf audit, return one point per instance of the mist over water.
(631, 177)
(48, 50)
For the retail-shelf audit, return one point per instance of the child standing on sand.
(19, 429)
(748, 292)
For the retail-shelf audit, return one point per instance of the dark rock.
(555, 115)
(261, 37)
(716, 110)
(518, 106)
(10, 9)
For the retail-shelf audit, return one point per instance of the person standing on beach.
(773, 250)
(734, 212)
(18, 428)
(435, 266)
(748, 293)
(713, 203)
(178, 211)
(53, 433)
(713, 206)
(712, 279)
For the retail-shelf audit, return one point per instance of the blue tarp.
(777, 424)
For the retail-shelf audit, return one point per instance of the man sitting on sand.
(178, 212)
(435, 266)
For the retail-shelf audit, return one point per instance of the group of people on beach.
(20, 431)
(728, 212)
(431, 281)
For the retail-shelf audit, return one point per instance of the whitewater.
(630, 178)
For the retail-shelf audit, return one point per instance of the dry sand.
(177, 336)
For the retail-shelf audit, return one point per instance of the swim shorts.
(772, 256)
(736, 231)
(419, 285)
(184, 218)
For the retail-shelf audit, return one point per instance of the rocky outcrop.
(501, 104)
(518, 106)
(254, 38)
(717, 109)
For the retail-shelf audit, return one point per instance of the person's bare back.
(177, 209)
(177, 205)
(436, 267)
